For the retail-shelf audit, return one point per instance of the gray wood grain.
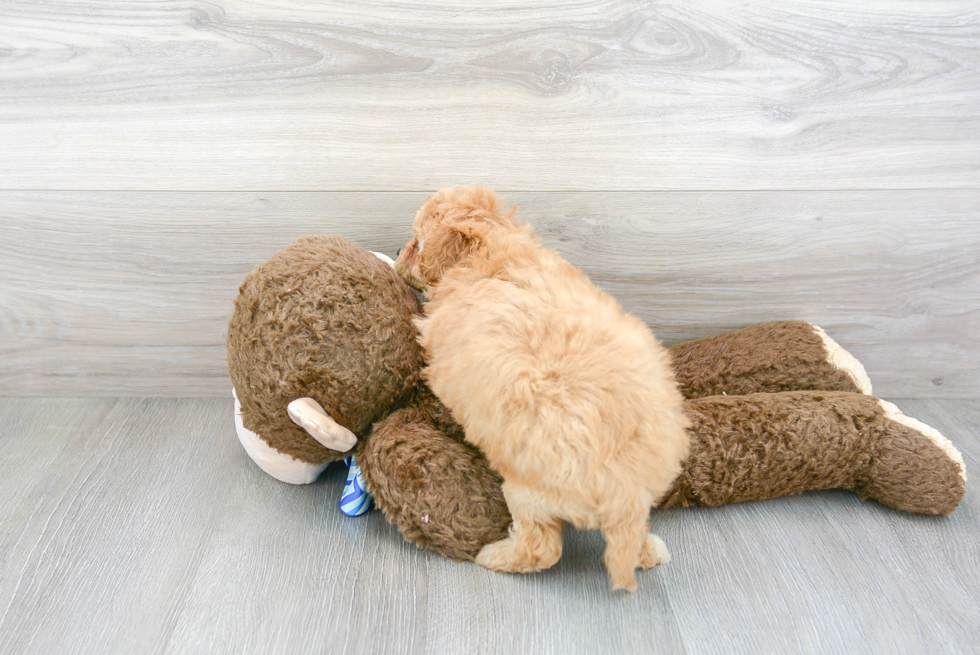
(955, 551)
(33, 435)
(561, 95)
(130, 293)
(143, 528)
(113, 529)
(288, 572)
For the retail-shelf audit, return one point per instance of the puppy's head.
(449, 228)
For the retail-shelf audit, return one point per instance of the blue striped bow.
(355, 500)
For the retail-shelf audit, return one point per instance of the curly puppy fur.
(571, 399)
(282, 344)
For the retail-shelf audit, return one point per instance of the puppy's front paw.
(654, 552)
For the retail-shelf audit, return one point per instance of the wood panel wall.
(130, 293)
(711, 163)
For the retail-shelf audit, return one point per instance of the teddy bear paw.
(844, 361)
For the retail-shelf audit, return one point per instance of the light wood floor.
(139, 526)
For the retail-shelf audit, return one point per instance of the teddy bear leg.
(844, 361)
(279, 465)
(914, 468)
(770, 357)
(766, 445)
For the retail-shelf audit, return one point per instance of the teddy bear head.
(327, 320)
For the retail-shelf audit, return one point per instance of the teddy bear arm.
(762, 446)
(440, 493)
(769, 357)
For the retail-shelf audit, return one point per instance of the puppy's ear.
(479, 205)
(470, 229)
(456, 221)
(446, 245)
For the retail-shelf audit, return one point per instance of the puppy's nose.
(398, 253)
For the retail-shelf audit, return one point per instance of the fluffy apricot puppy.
(571, 399)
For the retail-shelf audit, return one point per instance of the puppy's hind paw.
(654, 552)
(624, 581)
(504, 556)
(499, 556)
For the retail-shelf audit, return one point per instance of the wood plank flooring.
(111, 533)
(138, 525)
(130, 293)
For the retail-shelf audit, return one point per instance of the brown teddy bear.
(324, 362)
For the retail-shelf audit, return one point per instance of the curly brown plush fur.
(326, 319)
(283, 342)
(439, 490)
(762, 358)
(766, 445)
(743, 448)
